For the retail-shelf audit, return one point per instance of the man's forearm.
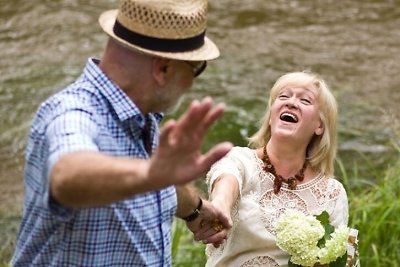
(86, 179)
(188, 200)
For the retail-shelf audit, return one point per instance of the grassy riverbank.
(374, 209)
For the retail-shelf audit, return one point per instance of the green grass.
(374, 212)
(374, 209)
(185, 251)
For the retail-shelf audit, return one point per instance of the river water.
(353, 44)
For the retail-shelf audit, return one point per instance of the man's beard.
(174, 107)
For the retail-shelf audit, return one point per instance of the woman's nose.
(291, 103)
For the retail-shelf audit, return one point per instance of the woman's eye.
(306, 101)
(283, 97)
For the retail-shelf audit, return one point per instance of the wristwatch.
(195, 213)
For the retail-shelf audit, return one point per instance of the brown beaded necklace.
(291, 181)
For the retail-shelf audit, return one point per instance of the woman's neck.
(287, 160)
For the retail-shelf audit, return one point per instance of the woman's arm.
(225, 192)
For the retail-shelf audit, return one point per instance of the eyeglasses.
(197, 66)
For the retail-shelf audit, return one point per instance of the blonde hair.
(321, 150)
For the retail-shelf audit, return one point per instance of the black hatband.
(158, 44)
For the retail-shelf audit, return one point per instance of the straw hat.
(172, 29)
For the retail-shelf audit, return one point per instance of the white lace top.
(251, 241)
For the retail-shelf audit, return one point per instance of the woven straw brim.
(208, 51)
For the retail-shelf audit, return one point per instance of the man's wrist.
(193, 216)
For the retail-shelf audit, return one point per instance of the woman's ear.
(320, 129)
(161, 70)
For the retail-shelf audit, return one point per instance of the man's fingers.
(213, 115)
(217, 237)
(166, 130)
(200, 116)
(202, 125)
(225, 221)
(215, 154)
(204, 107)
(192, 115)
(209, 231)
(204, 233)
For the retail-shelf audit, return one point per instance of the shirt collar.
(123, 106)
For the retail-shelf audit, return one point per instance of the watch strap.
(195, 213)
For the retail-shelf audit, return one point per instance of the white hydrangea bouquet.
(312, 241)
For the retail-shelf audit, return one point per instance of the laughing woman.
(290, 166)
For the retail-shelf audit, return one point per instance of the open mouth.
(289, 117)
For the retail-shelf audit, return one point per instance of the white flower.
(299, 234)
(335, 246)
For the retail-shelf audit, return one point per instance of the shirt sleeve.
(73, 129)
(233, 163)
(340, 215)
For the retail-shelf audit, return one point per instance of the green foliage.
(329, 229)
(323, 217)
(374, 212)
(291, 264)
(339, 262)
(185, 251)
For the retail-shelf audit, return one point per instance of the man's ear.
(161, 68)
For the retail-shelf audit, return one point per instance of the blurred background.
(353, 44)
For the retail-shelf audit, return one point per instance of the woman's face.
(295, 114)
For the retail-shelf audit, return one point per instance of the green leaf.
(329, 229)
(291, 264)
(323, 217)
(321, 242)
(340, 262)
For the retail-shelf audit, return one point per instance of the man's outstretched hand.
(178, 159)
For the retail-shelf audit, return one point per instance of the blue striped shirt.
(92, 114)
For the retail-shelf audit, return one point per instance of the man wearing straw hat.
(102, 182)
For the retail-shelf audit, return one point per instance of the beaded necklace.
(291, 181)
